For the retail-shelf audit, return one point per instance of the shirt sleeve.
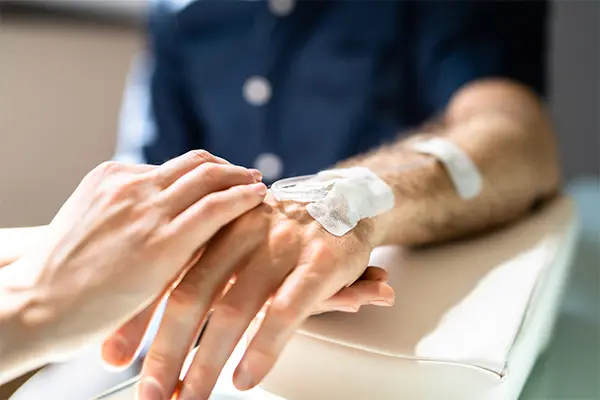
(156, 122)
(456, 42)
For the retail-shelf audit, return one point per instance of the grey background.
(575, 84)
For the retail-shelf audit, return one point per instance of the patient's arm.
(504, 129)
(15, 242)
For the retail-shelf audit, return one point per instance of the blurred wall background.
(61, 79)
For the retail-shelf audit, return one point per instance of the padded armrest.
(469, 321)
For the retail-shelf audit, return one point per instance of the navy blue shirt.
(298, 87)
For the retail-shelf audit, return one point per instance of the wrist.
(22, 342)
(368, 231)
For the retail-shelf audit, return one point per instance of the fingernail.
(257, 174)
(381, 303)
(115, 352)
(150, 389)
(261, 189)
(244, 381)
(347, 309)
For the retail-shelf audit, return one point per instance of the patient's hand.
(282, 256)
(371, 288)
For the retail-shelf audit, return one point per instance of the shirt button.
(257, 91)
(281, 8)
(270, 165)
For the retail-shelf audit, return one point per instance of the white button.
(270, 165)
(257, 91)
(282, 8)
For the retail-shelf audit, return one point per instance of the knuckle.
(243, 196)
(210, 172)
(200, 372)
(161, 361)
(185, 294)
(211, 205)
(230, 312)
(284, 232)
(110, 167)
(322, 252)
(200, 155)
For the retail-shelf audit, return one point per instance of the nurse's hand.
(121, 240)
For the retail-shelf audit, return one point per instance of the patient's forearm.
(504, 130)
(16, 242)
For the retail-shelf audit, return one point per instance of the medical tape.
(463, 172)
(339, 198)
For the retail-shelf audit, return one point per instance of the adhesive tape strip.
(303, 189)
(464, 174)
(338, 198)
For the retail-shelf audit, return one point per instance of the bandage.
(338, 198)
(464, 174)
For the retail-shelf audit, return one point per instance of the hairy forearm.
(16, 242)
(504, 130)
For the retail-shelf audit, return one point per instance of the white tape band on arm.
(464, 174)
(339, 198)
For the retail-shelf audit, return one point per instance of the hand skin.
(500, 124)
(119, 242)
(284, 242)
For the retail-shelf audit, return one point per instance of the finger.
(361, 293)
(122, 347)
(234, 313)
(375, 274)
(256, 322)
(173, 169)
(205, 218)
(191, 300)
(111, 172)
(291, 305)
(203, 180)
(140, 168)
